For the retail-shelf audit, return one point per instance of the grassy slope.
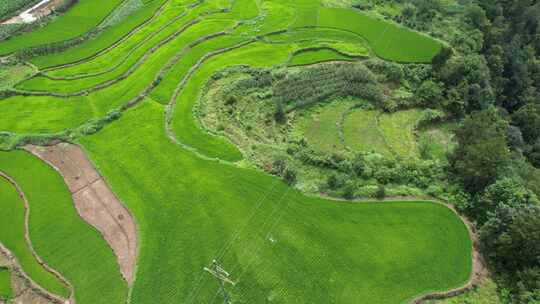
(5, 284)
(79, 19)
(384, 133)
(60, 236)
(188, 209)
(102, 41)
(398, 130)
(12, 236)
(361, 133)
(320, 125)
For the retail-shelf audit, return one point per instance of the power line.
(223, 278)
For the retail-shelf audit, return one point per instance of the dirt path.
(60, 277)
(95, 202)
(38, 11)
(25, 290)
(479, 271)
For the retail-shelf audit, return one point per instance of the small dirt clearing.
(95, 202)
(38, 11)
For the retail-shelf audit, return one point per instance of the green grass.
(5, 284)
(312, 56)
(321, 125)
(60, 237)
(13, 74)
(438, 139)
(190, 209)
(361, 133)
(398, 131)
(381, 132)
(387, 40)
(12, 236)
(79, 19)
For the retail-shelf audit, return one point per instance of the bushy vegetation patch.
(317, 55)
(7, 8)
(323, 146)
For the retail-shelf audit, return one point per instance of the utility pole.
(223, 277)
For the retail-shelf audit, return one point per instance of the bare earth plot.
(95, 201)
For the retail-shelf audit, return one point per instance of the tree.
(442, 57)
(381, 192)
(515, 138)
(280, 115)
(429, 94)
(510, 240)
(527, 118)
(289, 175)
(476, 17)
(506, 191)
(482, 152)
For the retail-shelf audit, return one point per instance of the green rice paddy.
(12, 231)
(5, 284)
(191, 201)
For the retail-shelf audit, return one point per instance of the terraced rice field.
(127, 98)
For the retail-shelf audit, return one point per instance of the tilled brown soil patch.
(94, 201)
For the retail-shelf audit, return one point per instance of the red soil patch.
(95, 202)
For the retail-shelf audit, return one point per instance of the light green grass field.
(321, 125)
(5, 284)
(398, 131)
(361, 133)
(60, 237)
(12, 236)
(388, 134)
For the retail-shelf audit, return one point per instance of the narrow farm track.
(35, 287)
(31, 247)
